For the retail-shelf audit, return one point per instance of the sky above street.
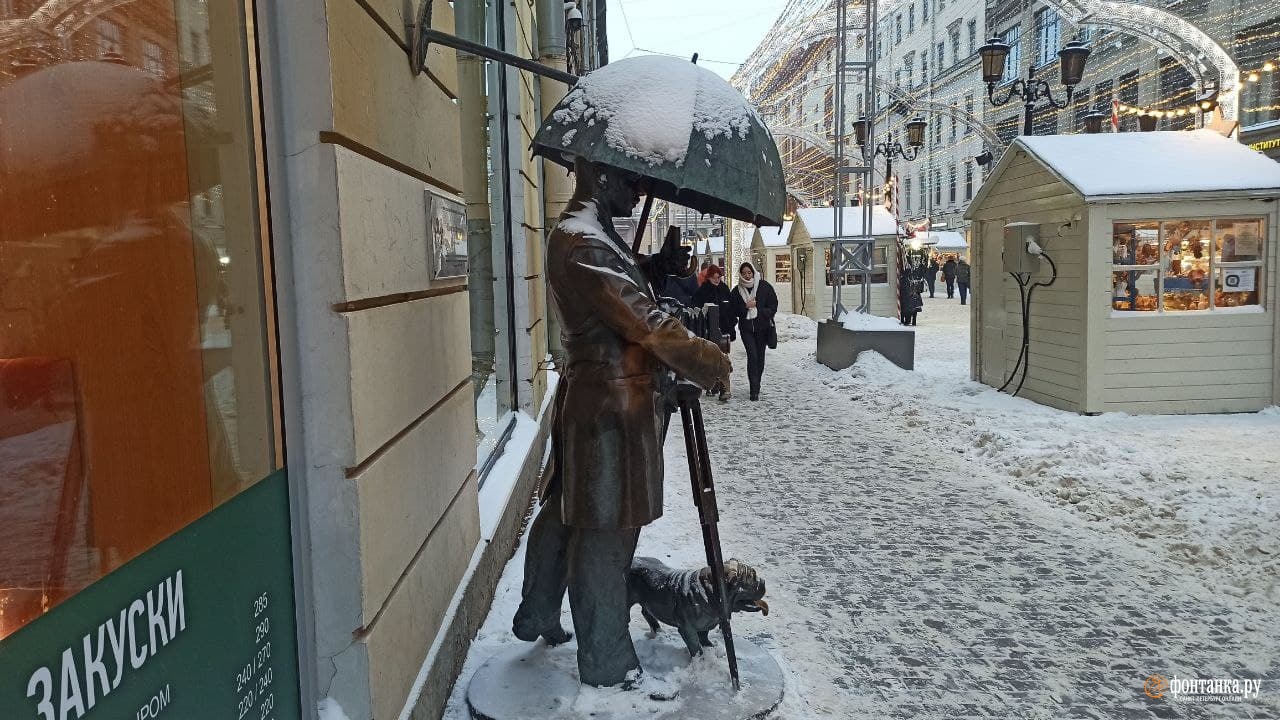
(722, 32)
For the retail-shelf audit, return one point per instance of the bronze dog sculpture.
(685, 599)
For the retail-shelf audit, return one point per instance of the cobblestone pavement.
(906, 582)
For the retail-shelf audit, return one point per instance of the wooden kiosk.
(771, 253)
(811, 237)
(1164, 299)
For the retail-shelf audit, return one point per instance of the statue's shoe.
(525, 629)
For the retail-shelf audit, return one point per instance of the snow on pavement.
(936, 550)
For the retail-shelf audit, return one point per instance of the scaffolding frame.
(853, 255)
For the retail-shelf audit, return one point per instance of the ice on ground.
(655, 105)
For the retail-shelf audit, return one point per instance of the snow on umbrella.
(685, 128)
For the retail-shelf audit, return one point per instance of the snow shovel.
(704, 498)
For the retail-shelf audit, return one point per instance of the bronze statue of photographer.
(605, 480)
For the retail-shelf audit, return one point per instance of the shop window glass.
(879, 269)
(782, 268)
(136, 370)
(1194, 265)
(1238, 262)
(1013, 63)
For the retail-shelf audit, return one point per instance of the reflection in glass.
(135, 386)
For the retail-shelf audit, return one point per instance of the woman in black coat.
(715, 292)
(754, 304)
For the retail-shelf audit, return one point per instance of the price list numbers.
(255, 699)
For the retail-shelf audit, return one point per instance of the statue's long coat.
(607, 436)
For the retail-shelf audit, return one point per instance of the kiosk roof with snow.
(1164, 296)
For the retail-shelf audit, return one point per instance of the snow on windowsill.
(495, 494)
(1242, 310)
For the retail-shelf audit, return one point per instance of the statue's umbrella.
(696, 138)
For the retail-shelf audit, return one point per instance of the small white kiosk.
(1164, 296)
(944, 243)
(771, 252)
(811, 236)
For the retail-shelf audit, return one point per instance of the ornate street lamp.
(1071, 61)
(890, 149)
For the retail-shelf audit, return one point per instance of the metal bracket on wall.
(421, 35)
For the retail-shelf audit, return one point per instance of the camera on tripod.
(703, 322)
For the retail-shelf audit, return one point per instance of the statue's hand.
(675, 258)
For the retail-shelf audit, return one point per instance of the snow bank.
(1202, 491)
(653, 105)
(866, 321)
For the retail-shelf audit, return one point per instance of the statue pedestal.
(536, 681)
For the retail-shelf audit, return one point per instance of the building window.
(942, 56)
(924, 66)
(110, 41)
(973, 36)
(1080, 109)
(942, 5)
(906, 194)
(911, 18)
(1048, 34)
(922, 195)
(952, 134)
(924, 10)
(951, 185)
(955, 46)
(968, 181)
(1012, 64)
(1187, 265)
(937, 131)
(897, 34)
(968, 108)
(937, 188)
(153, 60)
(781, 268)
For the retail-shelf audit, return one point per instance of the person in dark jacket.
(931, 274)
(949, 274)
(715, 292)
(963, 274)
(909, 298)
(754, 305)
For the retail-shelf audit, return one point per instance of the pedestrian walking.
(702, 272)
(949, 274)
(931, 274)
(909, 298)
(754, 305)
(963, 273)
(715, 292)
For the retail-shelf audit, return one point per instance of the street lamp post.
(1031, 90)
(891, 149)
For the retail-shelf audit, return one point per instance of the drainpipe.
(469, 22)
(556, 188)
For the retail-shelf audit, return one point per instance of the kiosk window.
(1187, 265)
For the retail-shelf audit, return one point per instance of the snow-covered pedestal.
(537, 681)
(840, 343)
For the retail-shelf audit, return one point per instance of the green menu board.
(200, 627)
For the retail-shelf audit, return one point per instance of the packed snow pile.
(654, 105)
(1202, 491)
(866, 321)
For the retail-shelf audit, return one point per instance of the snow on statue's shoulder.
(585, 223)
(653, 106)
